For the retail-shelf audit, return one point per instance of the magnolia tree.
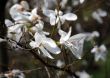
(45, 32)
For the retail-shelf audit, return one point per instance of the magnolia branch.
(37, 57)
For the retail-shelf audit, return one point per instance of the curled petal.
(64, 36)
(70, 16)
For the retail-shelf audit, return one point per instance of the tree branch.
(37, 57)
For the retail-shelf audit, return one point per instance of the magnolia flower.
(15, 31)
(83, 74)
(15, 74)
(99, 52)
(58, 16)
(74, 43)
(44, 43)
(19, 13)
(98, 14)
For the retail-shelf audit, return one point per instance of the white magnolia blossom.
(15, 32)
(20, 14)
(15, 73)
(83, 74)
(44, 43)
(98, 14)
(99, 52)
(74, 43)
(58, 16)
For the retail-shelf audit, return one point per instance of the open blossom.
(44, 43)
(74, 43)
(20, 14)
(58, 16)
(99, 52)
(15, 32)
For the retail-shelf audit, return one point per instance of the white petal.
(33, 44)
(102, 13)
(103, 48)
(34, 11)
(53, 20)
(48, 13)
(70, 16)
(83, 74)
(64, 36)
(51, 46)
(81, 1)
(75, 44)
(46, 33)
(38, 38)
(40, 25)
(8, 23)
(16, 28)
(45, 52)
(62, 33)
(18, 36)
(95, 34)
(25, 5)
(96, 16)
(95, 49)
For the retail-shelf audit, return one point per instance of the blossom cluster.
(33, 23)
